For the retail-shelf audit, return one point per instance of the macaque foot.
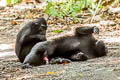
(26, 66)
(59, 60)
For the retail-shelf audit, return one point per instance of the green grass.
(12, 2)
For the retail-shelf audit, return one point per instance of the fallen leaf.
(49, 22)
(30, 15)
(59, 20)
(65, 27)
(118, 15)
(57, 31)
(26, 1)
(118, 27)
(66, 62)
(13, 22)
(71, 22)
(49, 73)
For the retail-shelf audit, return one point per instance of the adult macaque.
(28, 36)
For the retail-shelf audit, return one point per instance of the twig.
(96, 11)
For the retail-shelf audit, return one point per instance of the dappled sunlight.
(5, 54)
(2, 2)
(112, 39)
(6, 50)
(5, 46)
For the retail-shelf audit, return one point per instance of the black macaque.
(29, 35)
(79, 47)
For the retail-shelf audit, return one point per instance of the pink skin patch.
(46, 60)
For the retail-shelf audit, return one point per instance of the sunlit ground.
(112, 40)
(6, 50)
(2, 2)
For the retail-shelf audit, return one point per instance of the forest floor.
(103, 68)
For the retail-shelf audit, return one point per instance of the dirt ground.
(104, 68)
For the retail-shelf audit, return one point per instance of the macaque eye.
(36, 23)
(43, 25)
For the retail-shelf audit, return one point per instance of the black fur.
(28, 36)
(79, 47)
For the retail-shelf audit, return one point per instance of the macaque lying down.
(79, 47)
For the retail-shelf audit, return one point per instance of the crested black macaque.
(28, 36)
(79, 47)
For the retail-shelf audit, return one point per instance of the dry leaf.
(118, 15)
(49, 73)
(26, 1)
(30, 15)
(118, 27)
(49, 22)
(38, 1)
(71, 22)
(65, 27)
(66, 61)
(13, 22)
(59, 20)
